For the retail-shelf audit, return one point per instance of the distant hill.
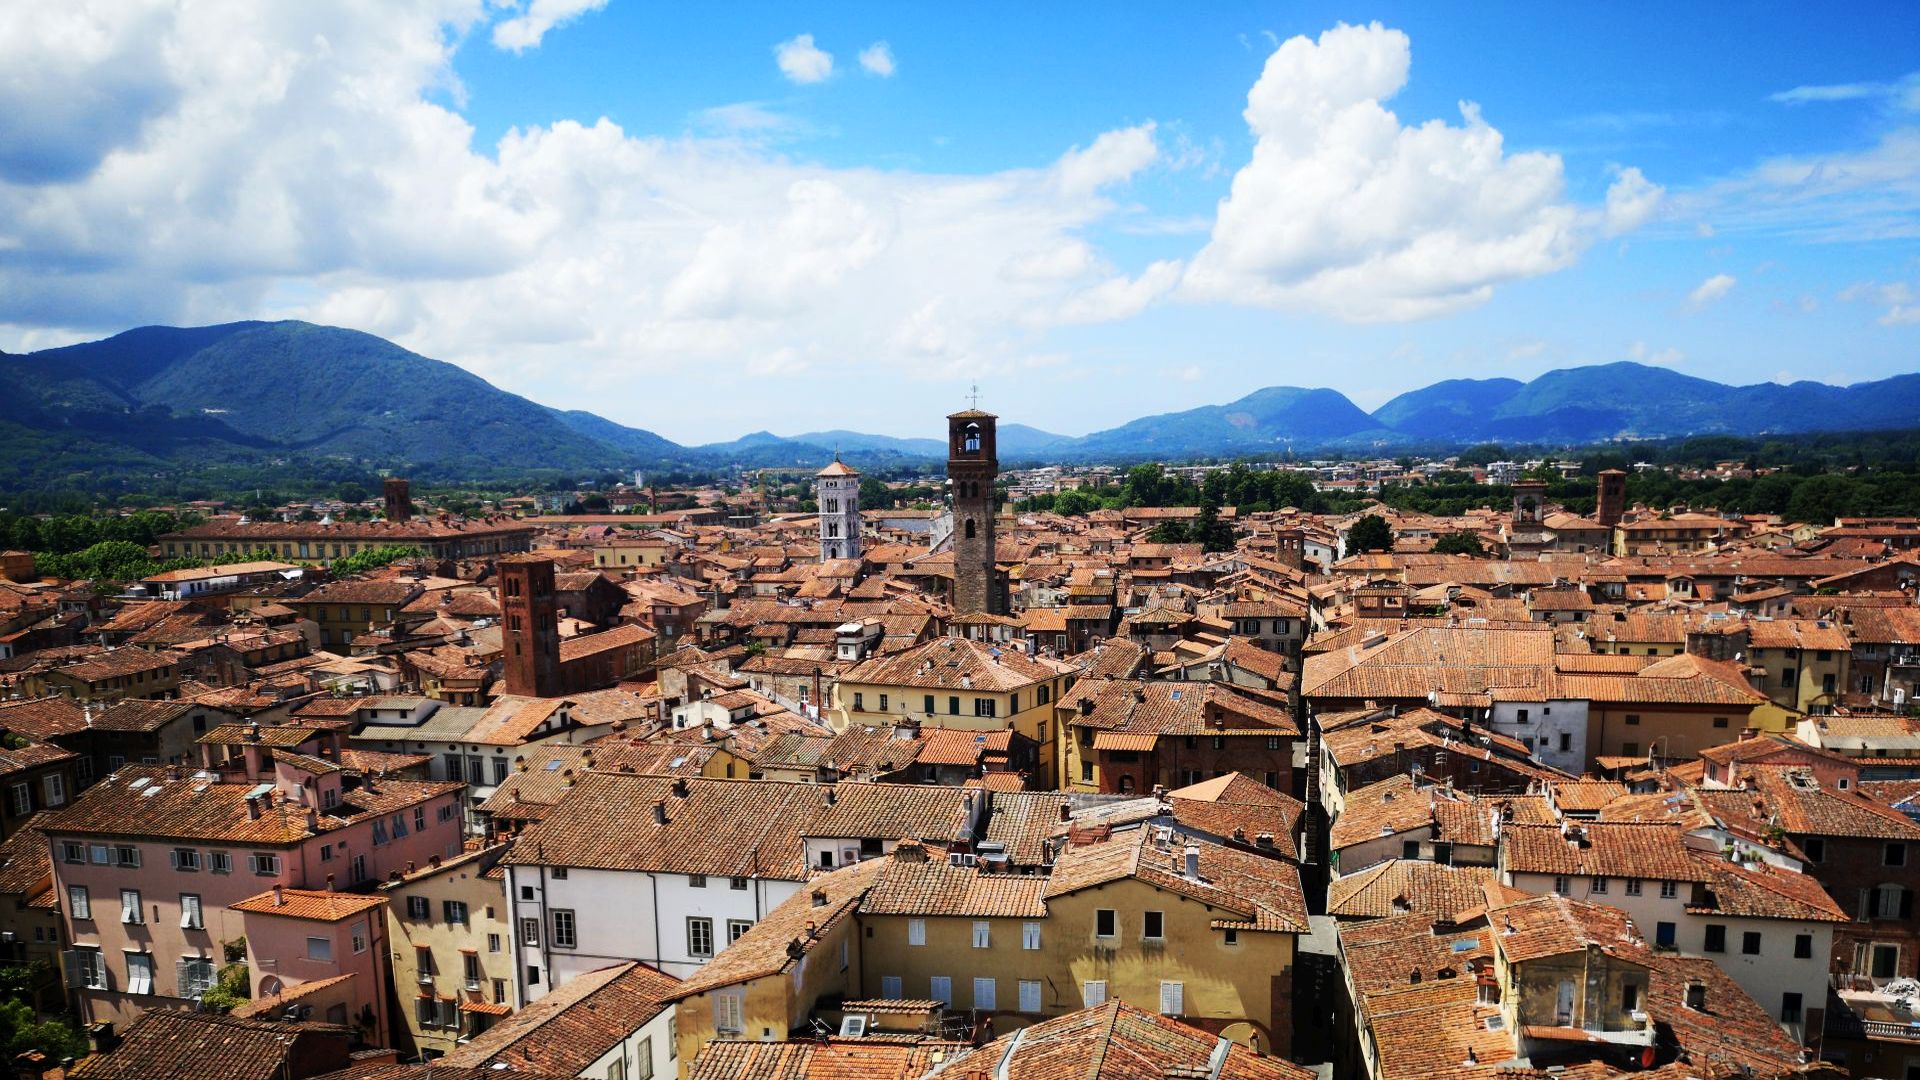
(161, 400)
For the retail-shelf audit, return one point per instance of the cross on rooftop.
(973, 397)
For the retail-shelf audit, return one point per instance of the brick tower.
(1613, 498)
(971, 470)
(399, 501)
(530, 624)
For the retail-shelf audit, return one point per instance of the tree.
(874, 494)
(1370, 533)
(374, 558)
(1075, 503)
(1460, 543)
(1168, 532)
(21, 1029)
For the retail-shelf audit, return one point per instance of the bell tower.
(837, 489)
(972, 468)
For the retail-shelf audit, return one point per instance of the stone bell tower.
(837, 489)
(971, 470)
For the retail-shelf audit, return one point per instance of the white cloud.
(877, 58)
(1851, 196)
(1900, 301)
(302, 164)
(1190, 374)
(1715, 287)
(1667, 357)
(1903, 93)
(1344, 210)
(525, 31)
(802, 61)
(1631, 200)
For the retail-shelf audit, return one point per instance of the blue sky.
(709, 220)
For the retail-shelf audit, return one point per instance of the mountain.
(1265, 421)
(1628, 400)
(321, 402)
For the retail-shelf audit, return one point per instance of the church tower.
(971, 470)
(837, 489)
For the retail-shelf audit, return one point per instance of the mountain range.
(160, 397)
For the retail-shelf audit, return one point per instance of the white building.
(837, 488)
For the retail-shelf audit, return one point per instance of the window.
(1029, 995)
(1409, 849)
(419, 908)
(493, 943)
(1896, 854)
(1719, 721)
(455, 911)
(185, 859)
(1633, 886)
(883, 703)
(890, 987)
(130, 906)
(530, 932)
(126, 855)
(423, 964)
(1173, 998)
(72, 852)
(89, 969)
(1750, 943)
(1560, 886)
(1093, 992)
(729, 1012)
(533, 974)
(1664, 934)
(190, 912)
(1816, 849)
(1803, 946)
(696, 881)
(737, 927)
(1566, 741)
(1633, 720)
(1105, 923)
(359, 935)
(1788, 676)
(1231, 937)
(986, 994)
(319, 948)
(984, 706)
(379, 831)
(953, 706)
(499, 991)
(219, 862)
(940, 989)
(859, 701)
(564, 930)
(1889, 901)
(139, 973)
(55, 787)
(194, 974)
(1716, 938)
(643, 1060)
(1599, 886)
(1669, 890)
(982, 934)
(1030, 935)
(1086, 772)
(20, 799)
(916, 931)
(264, 864)
(78, 904)
(699, 937)
(738, 884)
(470, 969)
(1153, 925)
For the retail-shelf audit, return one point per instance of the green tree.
(1075, 503)
(1168, 532)
(21, 1029)
(1460, 543)
(874, 494)
(1370, 533)
(374, 558)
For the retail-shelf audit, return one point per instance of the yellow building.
(767, 982)
(957, 683)
(1166, 923)
(627, 554)
(452, 962)
(1805, 662)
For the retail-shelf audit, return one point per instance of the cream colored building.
(452, 961)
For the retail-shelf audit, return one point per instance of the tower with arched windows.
(971, 470)
(837, 488)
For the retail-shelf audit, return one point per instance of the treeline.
(1251, 490)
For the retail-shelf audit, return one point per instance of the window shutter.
(71, 960)
(1094, 992)
(1906, 903)
(1173, 998)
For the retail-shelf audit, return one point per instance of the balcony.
(1859, 1010)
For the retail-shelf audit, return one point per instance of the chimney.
(253, 809)
(329, 882)
(680, 787)
(660, 812)
(819, 898)
(1193, 862)
(1264, 840)
(279, 896)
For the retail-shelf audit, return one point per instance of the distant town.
(976, 773)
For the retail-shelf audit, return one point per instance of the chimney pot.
(660, 813)
(279, 896)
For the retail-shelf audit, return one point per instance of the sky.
(707, 220)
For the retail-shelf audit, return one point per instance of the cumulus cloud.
(524, 31)
(1714, 288)
(877, 58)
(802, 61)
(1631, 200)
(317, 173)
(1345, 210)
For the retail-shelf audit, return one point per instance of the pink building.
(149, 863)
(322, 949)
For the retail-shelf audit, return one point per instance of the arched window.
(970, 442)
(969, 528)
